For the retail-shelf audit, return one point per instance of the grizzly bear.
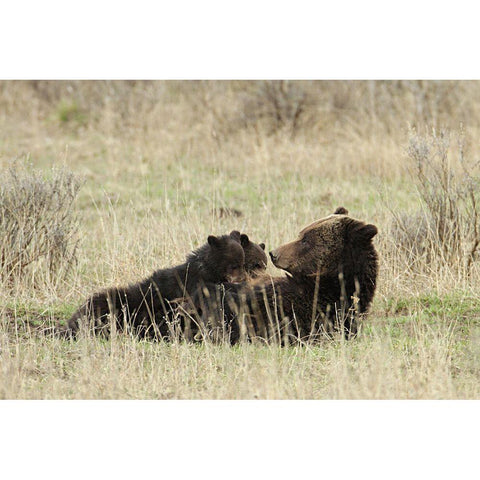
(143, 308)
(255, 257)
(331, 278)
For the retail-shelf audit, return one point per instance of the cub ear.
(235, 234)
(244, 240)
(213, 241)
(262, 246)
(363, 232)
(341, 211)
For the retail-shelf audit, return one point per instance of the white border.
(188, 39)
(228, 439)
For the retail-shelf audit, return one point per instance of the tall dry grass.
(160, 158)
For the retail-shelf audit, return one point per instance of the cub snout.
(273, 256)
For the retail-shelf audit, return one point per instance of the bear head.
(226, 258)
(255, 256)
(324, 246)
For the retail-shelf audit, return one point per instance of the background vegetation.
(105, 181)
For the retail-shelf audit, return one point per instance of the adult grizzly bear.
(143, 308)
(331, 278)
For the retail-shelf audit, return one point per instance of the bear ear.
(262, 246)
(341, 211)
(213, 241)
(235, 234)
(363, 232)
(244, 240)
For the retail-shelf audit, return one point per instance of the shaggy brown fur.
(332, 271)
(144, 307)
(255, 257)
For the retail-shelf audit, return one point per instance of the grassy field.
(157, 160)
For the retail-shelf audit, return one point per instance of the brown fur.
(255, 257)
(332, 268)
(144, 307)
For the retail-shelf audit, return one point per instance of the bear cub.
(255, 257)
(144, 308)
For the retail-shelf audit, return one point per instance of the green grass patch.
(68, 111)
(453, 305)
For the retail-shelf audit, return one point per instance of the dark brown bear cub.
(332, 271)
(255, 257)
(143, 308)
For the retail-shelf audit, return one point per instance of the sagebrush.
(445, 230)
(38, 227)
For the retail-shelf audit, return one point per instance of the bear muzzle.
(284, 256)
(275, 256)
(236, 276)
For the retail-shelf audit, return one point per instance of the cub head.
(324, 245)
(226, 258)
(255, 256)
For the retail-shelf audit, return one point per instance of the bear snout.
(275, 256)
(236, 276)
(281, 257)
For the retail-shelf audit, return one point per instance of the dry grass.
(158, 159)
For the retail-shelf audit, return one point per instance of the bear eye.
(304, 241)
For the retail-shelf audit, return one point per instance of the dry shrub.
(446, 230)
(363, 108)
(386, 104)
(336, 109)
(275, 105)
(80, 105)
(38, 229)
